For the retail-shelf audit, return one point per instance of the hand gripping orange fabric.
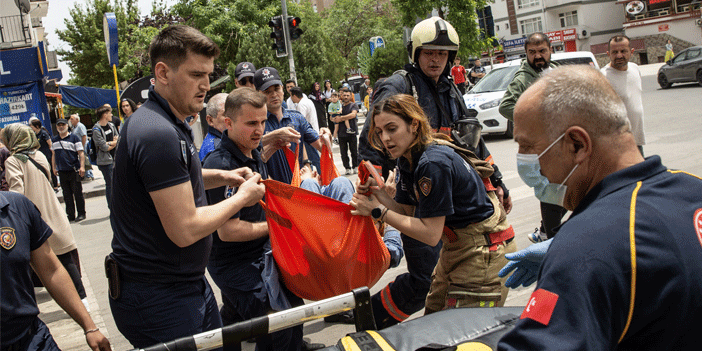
(320, 248)
(328, 169)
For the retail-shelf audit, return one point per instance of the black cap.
(265, 77)
(61, 121)
(244, 69)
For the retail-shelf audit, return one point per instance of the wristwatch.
(377, 212)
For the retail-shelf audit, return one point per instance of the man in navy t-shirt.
(23, 240)
(161, 222)
(68, 163)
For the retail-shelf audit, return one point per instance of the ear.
(161, 71)
(579, 143)
(415, 126)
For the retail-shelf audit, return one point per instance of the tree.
(460, 13)
(387, 60)
(87, 55)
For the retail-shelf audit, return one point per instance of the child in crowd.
(366, 100)
(335, 110)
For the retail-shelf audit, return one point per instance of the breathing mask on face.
(529, 170)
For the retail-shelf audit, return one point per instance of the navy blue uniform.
(407, 292)
(236, 267)
(21, 231)
(584, 291)
(165, 294)
(278, 167)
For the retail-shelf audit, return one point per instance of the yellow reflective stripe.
(349, 345)
(632, 248)
(380, 340)
(683, 172)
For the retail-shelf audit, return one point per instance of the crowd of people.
(181, 208)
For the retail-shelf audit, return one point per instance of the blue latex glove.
(525, 264)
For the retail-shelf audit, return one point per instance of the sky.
(58, 12)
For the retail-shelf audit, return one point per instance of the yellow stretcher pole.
(119, 110)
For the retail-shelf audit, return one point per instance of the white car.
(483, 100)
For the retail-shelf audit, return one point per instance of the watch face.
(375, 213)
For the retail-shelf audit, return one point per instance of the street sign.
(109, 26)
(374, 43)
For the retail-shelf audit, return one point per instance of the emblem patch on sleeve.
(540, 306)
(7, 238)
(698, 224)
(424, 185)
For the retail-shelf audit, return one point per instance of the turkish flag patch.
(540, 306)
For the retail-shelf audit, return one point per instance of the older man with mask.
(215, 120)
(538, 49)
(625, 78)
(623, 272)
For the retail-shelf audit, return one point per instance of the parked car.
(484, 98)
(685, 67)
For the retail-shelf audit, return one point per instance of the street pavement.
(672, 130)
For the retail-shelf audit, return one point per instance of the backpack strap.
(409, 81)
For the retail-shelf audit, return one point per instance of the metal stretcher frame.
(231, 336)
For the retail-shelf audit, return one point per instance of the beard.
(539, 64)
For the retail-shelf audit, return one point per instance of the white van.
(484, 98)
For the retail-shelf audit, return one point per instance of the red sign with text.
(663, 27)
(555, 36)
(569, 34)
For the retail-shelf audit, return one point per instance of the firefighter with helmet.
(433, 45)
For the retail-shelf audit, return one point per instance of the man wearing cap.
(81, 132)
(283, 127)
(243, 75)
(215, 120)
(68, 163)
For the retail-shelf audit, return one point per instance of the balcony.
(14, 32)
(665, 10)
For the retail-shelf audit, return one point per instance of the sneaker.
(80, 218)
(309, 346)
(355, 170)
(336, 141)
(348, 171)
(350, 131)
(85, 303)
(537, 236)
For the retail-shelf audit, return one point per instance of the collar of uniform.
(212, 130)
(648, 168)
(442, 85)
(405, 165)
(3, 201)
(229, 145)
(153, 95)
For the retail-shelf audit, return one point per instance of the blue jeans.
(107, 174)
(340, 188)
(152, 313)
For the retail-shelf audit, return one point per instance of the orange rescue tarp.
(320, 248)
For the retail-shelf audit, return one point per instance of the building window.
(569, 19)
(507, 25)
(527, 3)
(531, 25)
(497, 27)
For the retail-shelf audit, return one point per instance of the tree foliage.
(387, 60)
(87, 55)
(460, 13)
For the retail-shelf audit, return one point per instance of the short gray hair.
(217, 101)
(581, 95)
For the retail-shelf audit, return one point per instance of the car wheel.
(699, 77)
(663, 81)
(509, 133)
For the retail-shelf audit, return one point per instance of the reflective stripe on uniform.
(390, 306)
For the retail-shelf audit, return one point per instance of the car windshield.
(497, 80)
(575, 61)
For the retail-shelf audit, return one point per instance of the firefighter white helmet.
(433, 34)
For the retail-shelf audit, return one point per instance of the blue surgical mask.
(529, 170)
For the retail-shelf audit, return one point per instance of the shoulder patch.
(698, 224)
(7, 238)
(540, 306)
(425, 185)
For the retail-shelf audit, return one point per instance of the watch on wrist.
(377, 212)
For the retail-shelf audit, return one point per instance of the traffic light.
(294, 27)
(278, 34)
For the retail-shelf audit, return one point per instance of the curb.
(86, 194)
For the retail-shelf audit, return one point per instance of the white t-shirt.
(291, 104)
(306, 107)
(627, 84)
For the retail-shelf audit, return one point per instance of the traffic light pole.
(288, 42)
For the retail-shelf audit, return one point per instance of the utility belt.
(492, 240)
